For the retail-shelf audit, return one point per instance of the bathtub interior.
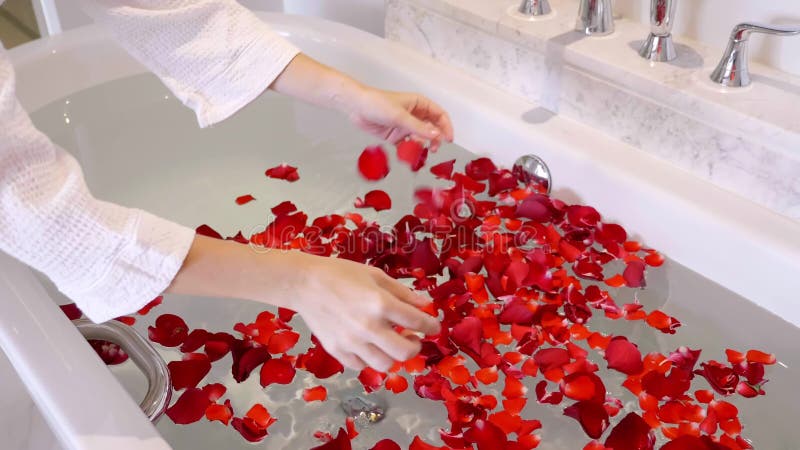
(139, 147)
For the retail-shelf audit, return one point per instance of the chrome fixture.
(534, 8)
(366, 409)
(595, 17)
(733, 69)
(146, 358)
(658, 46)
(531, 169)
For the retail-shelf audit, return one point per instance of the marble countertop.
(743, 139)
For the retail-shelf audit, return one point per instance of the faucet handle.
(659, 46)
(743, 31)
(733, 69)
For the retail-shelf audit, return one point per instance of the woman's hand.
(392, 116)
(350, 307)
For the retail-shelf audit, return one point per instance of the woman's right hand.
(352, 308)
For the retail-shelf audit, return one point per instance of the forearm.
(313, 82)
(227, 269)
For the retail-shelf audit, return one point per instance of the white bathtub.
(752, 252)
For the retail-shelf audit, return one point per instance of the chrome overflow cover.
(531, 169)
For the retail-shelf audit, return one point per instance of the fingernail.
(434, 132)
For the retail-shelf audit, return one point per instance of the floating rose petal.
(396, 383)
(317, 393)
(169, 331)
(634, 274)
(631, 433)
(412, 153)
(277, 371)
(109, 352)
(188, 372)
(377, 199)
(72, 311)
(386, 444)
(244, 199)
(371, 379)
(721, 378)
(320, 363)
(624, 356)
(486, 436)
(283, 172)
(592, 417)
(148, 307)
(246, 357)
(341, 442)
(443, 170)
(207, 231)
(190, 407)
(373, 164)
(222, 413)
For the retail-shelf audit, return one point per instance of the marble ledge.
(747, 141)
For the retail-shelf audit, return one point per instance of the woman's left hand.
(394, 116)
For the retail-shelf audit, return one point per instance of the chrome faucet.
(534, 8)
(733, 70)
(595, 18)
(658, 46)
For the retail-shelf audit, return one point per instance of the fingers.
(351, 361)
(407, 316)
(397, 347)
(400, 291)
(411, 125)
(374, 357)
(425, 109)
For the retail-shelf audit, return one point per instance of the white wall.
(711, 21)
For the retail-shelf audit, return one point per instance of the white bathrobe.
(216, 57)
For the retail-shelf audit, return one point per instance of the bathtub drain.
(364, 409)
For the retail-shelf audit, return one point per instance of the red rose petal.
(373, 164)
(371, 379)
(631, 433)
(190, 371)
(486, 436)
(222, 413)
(148, 307)
(207, 231)
(757, 356)
(72, 311)
(592, 417)
(283, 172)
(624, 356)
(634, 274)
(396, 383)
(283, 342)
(109, 352)
(443, 170)
(245, 359)
(243, 199)
(412, 153)
(386, 444)
(190, 407)
(169, 331)
(196, 339)
(377, 199)
(320, 363)
(480, 169)
(277, 371)
(317, 393)
(340, 442)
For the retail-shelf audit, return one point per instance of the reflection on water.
(143, 150)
